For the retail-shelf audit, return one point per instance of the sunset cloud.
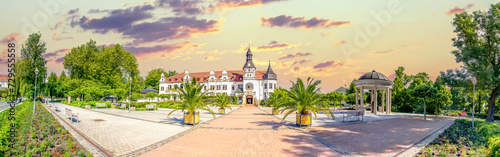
(301, 22)
(328, 64)
(274, 45)
(129, 23)
(335, 43)
(301, 62)
(56, 36)
(211, 58)
(164, 49)
(56, 56)
(12, 37)
(298, 54)
(224, 5)
(458, 9)
(189, 7)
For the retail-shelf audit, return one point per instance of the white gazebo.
(374, 81)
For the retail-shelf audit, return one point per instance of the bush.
(494, 146)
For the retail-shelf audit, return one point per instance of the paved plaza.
(249, 131)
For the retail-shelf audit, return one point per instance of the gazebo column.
(362, 105)
(390, 101)
(388, 108)
(371, 101)
(383, 101)
(356, 89)
(375, 99)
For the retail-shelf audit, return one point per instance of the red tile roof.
(4, 77)
(204, 76)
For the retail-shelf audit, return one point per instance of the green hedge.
(483, 115)
(494, 146)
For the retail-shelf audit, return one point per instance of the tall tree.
(62, 78)
(52, 84)
(351, 89)
(477, 48)
(31, 58)
(153, 77)
(335, 98)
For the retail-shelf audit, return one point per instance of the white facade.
(248, 84)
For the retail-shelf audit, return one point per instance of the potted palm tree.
(192, 99)
(306, 100)
(221, 100)
(276, 100)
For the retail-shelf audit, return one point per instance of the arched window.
(182, 86)
(169, 87)
(175, 86)
(232, 78)
(249, 86)
(162, 88)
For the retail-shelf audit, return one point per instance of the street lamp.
(474, 81)
(129, 94)
(34, 95)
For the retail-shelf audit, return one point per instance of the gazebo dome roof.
(373, 75)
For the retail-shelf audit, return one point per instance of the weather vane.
(249, 42)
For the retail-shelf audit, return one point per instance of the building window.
(182, 86)
(240, 86)
(224, 87)
(204, 87)
(275, 86)
(198, 79)
(175, 86)
(169, 79)
(212, 87)
(265, 86)
(232, 87)
(232, 78)
(249, 86)
(162, 88)
(270, 86)
(169, 87)
(175, 79)
(218, 87)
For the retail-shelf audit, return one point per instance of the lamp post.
(34, 95)
(474, 81)
(129, 94)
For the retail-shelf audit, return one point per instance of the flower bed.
(463, 140)
(38, 134)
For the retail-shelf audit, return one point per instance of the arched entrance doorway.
(249, 99)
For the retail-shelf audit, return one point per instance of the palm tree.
(192, 98)
(305, 99)
(276, 101)
(221, 100)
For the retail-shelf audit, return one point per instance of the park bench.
(124, 106)
(71, 115)
(56, 108)
(150, 106)
(357, 115)
(101, 105)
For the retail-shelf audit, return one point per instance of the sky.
(330, 40)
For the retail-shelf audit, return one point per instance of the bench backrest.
(150, 106)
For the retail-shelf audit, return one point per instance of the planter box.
(275, 112)
(222, 111)
(87, 106)
(132, 108)
(303, 119)
(192, 119)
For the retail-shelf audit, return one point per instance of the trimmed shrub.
(494, 146)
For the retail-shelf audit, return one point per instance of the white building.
(4, 83)
(248, 84)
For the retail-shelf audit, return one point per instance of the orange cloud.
(56, 36)
(211, 58)
(301, 22)
(226, 5)
(298, 54)
(12, 37)
(165, 49)
(335, 43)
(274, 46)
(458, 9)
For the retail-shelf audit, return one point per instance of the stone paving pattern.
(119, 135)
(248, 131)
(381, 138)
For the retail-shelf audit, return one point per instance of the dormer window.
(169, 79)
(204, 79)
(198, 79)
(175, 79)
